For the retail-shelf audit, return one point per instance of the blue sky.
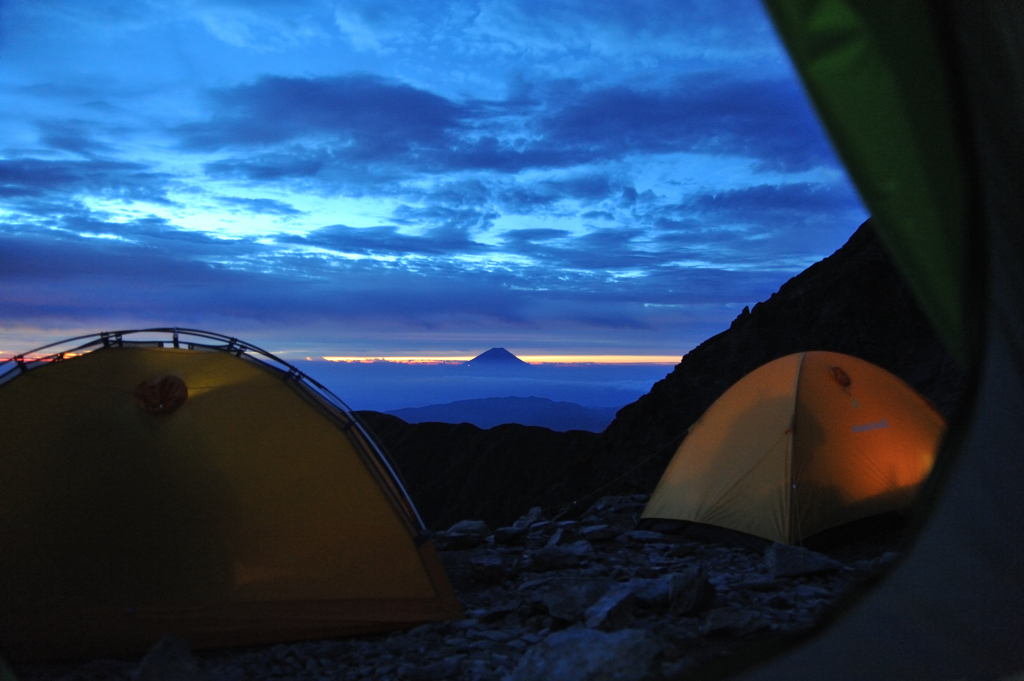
(395, 178)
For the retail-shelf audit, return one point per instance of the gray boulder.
(436, 671)
(466, 534)
(568, 599)
(678, 594)
(613, 611)
(645, 536)
(532, 516)
(598, 533)
(488, 567)
(554, 558)
(733, 622)
(170, 659)
(589, 655)
(510, 535)
(784, 560)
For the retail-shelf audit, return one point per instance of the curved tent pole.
(197, 338)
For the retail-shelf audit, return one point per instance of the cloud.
(552, 170)
(263, 206)
(711, 113)
(413, 286)
(774, 199)
(363, 130)
(24, 179)
(787, 211)
(75, 136)
(267, 25)
(362, 116)
(443, 241)
(581, 36)
(532, 235)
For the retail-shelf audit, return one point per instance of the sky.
(393, 179)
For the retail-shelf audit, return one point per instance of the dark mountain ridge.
(853, 302)
(458, 471)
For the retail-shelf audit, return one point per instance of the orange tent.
(801, 444)
(202, 489)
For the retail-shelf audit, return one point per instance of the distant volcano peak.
(497, 356)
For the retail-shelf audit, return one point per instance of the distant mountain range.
(527, 411)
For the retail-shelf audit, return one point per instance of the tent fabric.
(954, 606)
(876, 74)
(254, 512)
(804, 443)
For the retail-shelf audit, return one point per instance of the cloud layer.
(378, 178)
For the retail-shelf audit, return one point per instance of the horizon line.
(529, 359)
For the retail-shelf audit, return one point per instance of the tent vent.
(161, 395)
(842, 378)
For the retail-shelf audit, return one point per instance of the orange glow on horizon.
(601, 359)
(531, 359)
(38, 358)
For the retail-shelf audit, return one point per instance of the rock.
(554, 558)
(645, 536)
(691, 590)
(225, 674)
(456, 542)
(589, 655)
(758, 584)
(655, 594)
(466, 534)
(529, 518)
(682, 551)
(733, 621)
(598, 533)
(170, 659)
(564, 535)
(540, 526)
(581, 549)
(101, 669)
(568, 599)
(678, 593)
(499, 612)
(510, 535)
(784, 560)
(488, 567)
(533, 583)
(475, 527)
(555, 538)
(807, 591)
(613, 611)
(433, 672)
(493, 635)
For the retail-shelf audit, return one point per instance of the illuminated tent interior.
(199, 489)
(804, 443)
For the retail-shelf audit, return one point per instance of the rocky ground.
(592, 598)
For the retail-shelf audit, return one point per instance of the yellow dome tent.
(799, 445)
(204, 489)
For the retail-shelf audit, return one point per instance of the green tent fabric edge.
(954, 607)
(875, 74)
